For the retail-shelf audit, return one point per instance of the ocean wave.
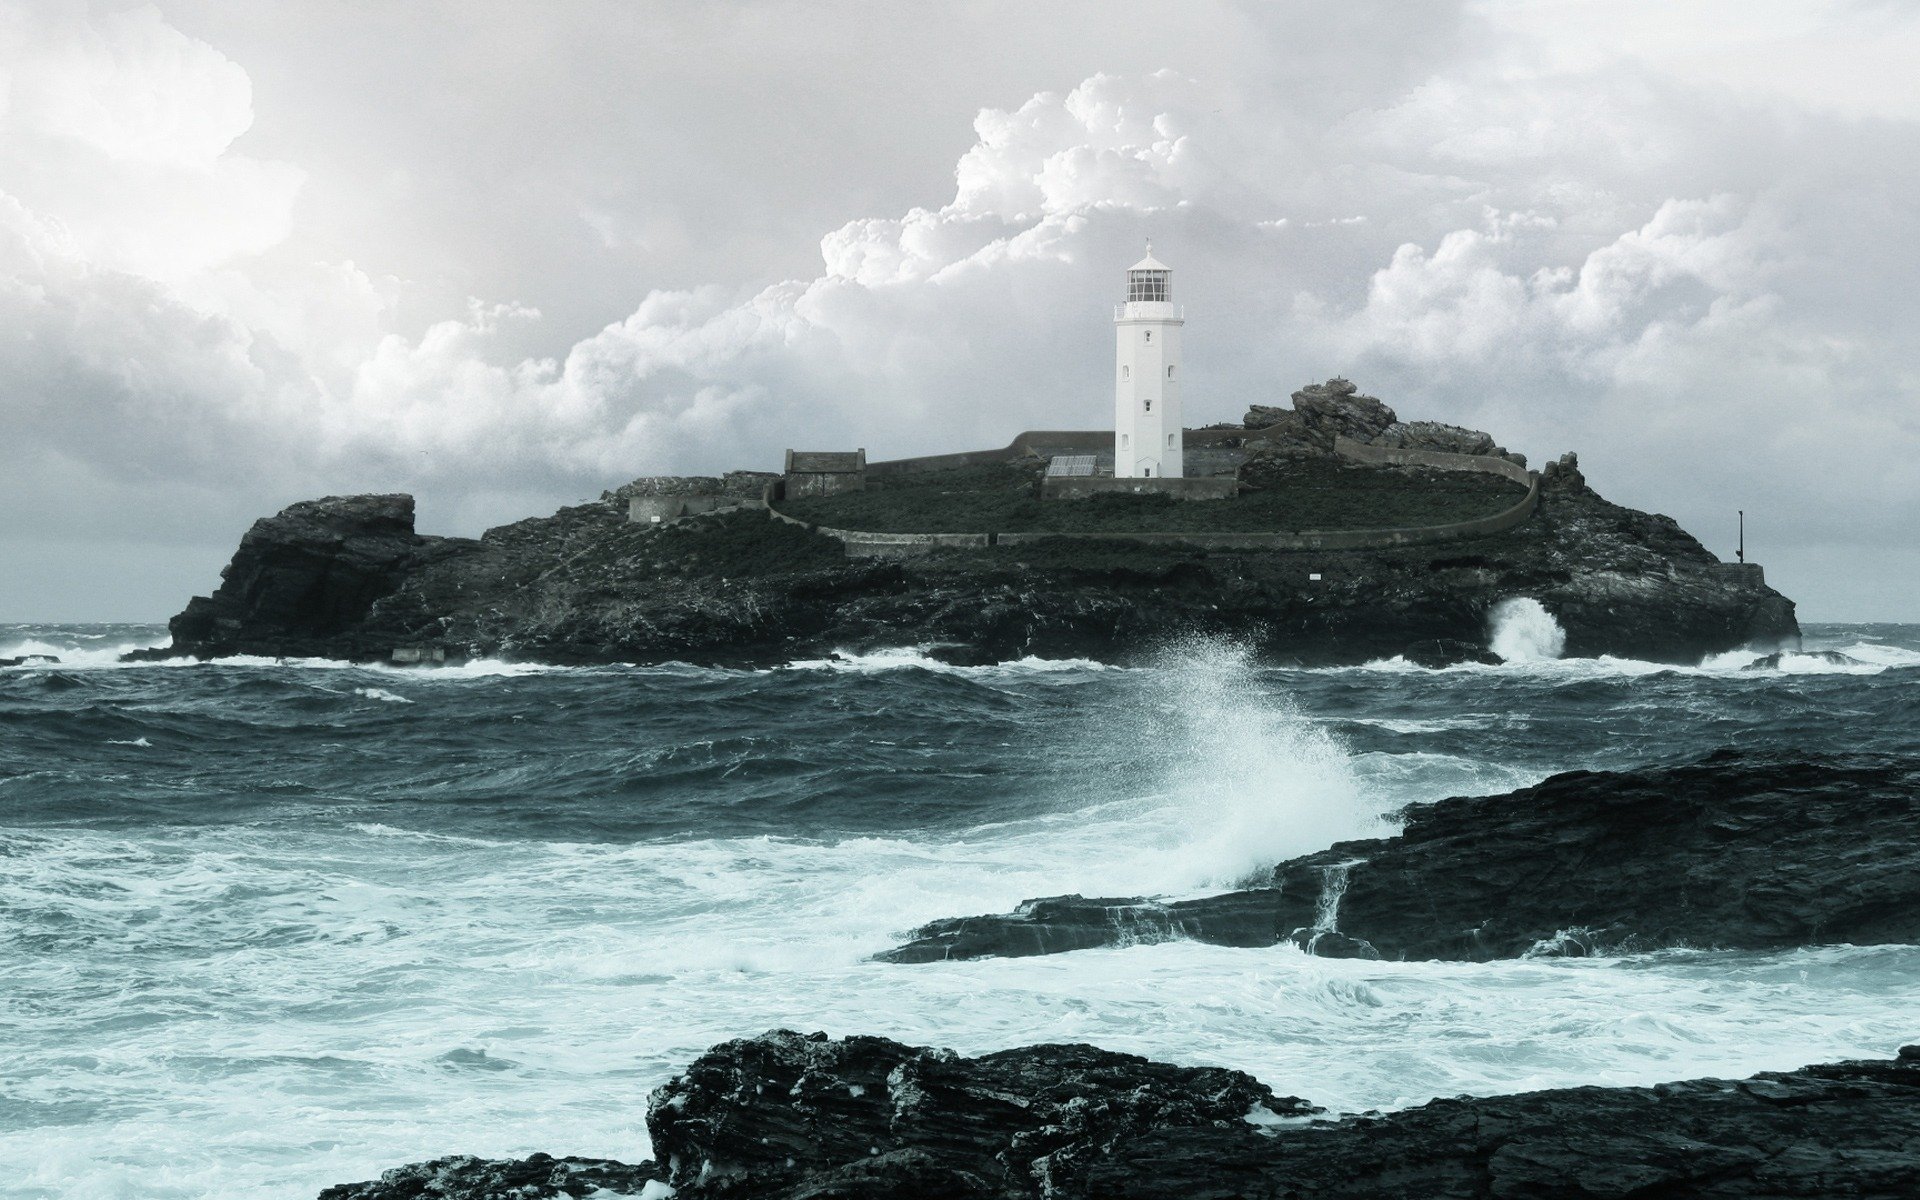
(1860, 658)
(916, 658)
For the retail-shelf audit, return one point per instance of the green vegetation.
(1318, 493)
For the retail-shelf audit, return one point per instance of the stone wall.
(867, 544)
(864, 543)
(824, 472)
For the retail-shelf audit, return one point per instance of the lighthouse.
(1147, 440)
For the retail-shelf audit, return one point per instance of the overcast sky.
(505, 255)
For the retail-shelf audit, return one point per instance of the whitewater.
(273, 925)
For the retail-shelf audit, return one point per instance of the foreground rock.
(349, 577)
(464, 1177)
(786, 1116)
(1740, 850)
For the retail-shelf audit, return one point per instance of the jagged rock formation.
(311, 574)
(1740, 850)
(348, 577)
(1325, 412)
(875, 1117)
(786, 1117)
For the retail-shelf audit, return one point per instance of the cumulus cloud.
(1575, 254)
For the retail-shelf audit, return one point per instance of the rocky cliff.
(786, 1116)
(348, 576)
(1741, 850)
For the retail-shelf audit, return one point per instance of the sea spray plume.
(1237, 778)
(1520, 629)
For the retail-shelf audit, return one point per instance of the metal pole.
(1741, 553)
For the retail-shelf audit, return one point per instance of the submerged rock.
(1740, 850)
(1832, 658)
(786, 1116)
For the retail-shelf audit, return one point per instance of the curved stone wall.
(867, 544)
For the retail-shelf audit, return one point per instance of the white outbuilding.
(1147, 438)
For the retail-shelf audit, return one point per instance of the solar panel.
(1070, 465)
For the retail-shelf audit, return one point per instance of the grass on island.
(1315, 494)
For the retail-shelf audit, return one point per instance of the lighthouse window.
(1150, 286)
(1169, 441)
(1124, 439)
(1169, 372)
(1149, 335)
(1126, 372)
(1149, 403)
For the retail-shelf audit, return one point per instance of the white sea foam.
(81, 657)
(917, 658)
(1861, 658)
(374, 693)
(258, 1010)
(303, 1015)
(1520, 629)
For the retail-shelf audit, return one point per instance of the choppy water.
(266, 926)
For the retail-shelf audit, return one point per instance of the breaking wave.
(1520, 629)
(268, 930)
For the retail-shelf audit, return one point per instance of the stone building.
(661, 499)
(825, 472)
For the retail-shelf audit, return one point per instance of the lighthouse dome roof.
(1149, 263)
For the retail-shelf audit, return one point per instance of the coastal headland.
(1335, 534)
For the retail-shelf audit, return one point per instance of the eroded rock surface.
(787, 1116)
(1741, 850)
(860, 1115)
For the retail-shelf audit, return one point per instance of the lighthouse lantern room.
(1146, 388)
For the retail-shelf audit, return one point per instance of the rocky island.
(1336, 534)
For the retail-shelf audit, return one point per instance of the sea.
(270, 925)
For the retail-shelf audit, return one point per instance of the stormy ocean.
(268, 926)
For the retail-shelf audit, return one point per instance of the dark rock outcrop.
(786, 1117)
(348, 577)
(1740, 850)
(307, 578)
(853, 1116)
(537, 1177)
(1321, 413)
(1324, 412)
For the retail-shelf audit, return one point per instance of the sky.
(505, 256)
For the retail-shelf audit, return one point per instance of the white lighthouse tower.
(1147, 439)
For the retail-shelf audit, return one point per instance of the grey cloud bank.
(505, 257)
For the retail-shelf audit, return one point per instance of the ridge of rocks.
(1741, 850)
(789, 1116)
